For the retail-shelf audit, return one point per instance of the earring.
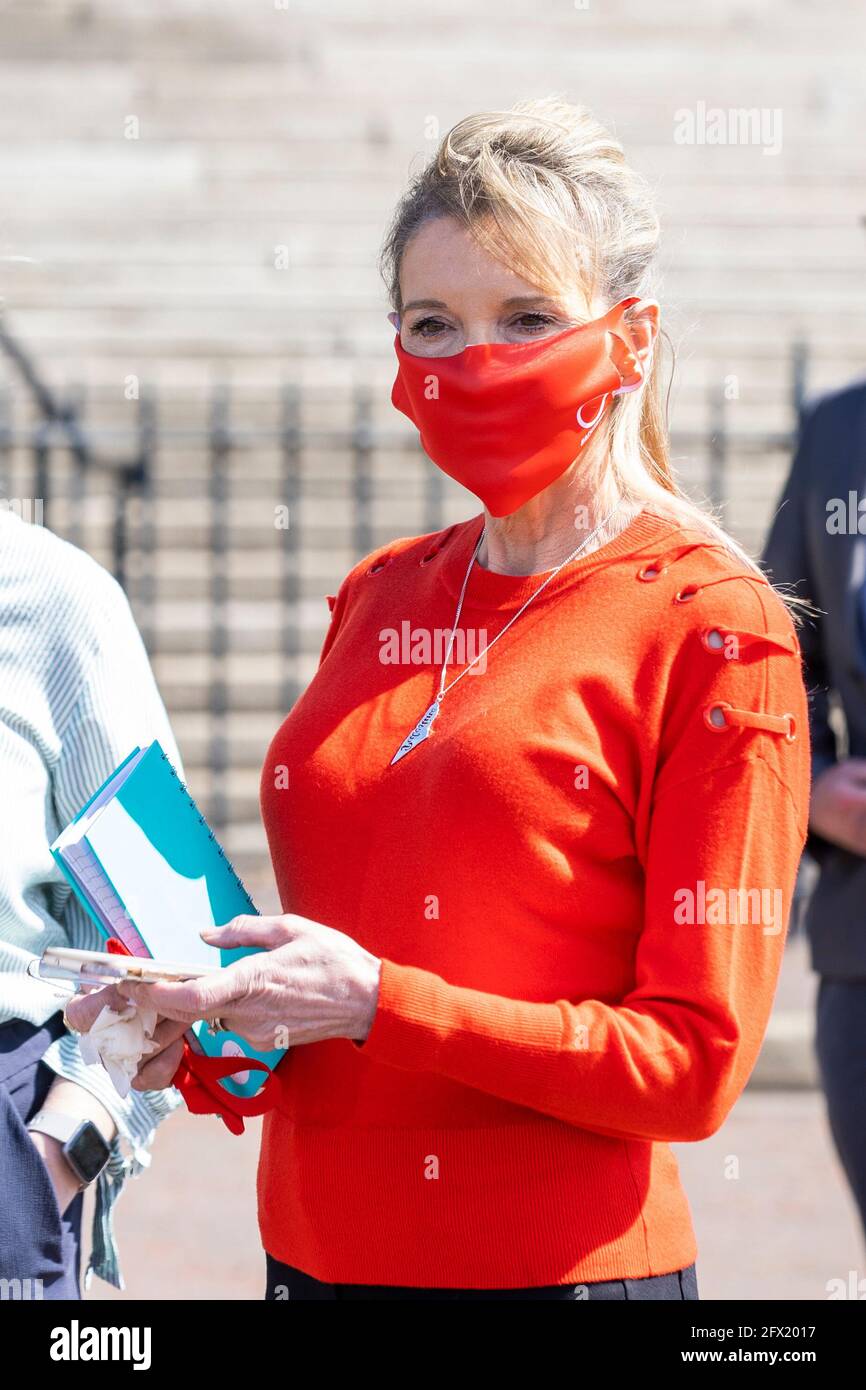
(643, 369)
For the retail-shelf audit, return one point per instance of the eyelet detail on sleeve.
(713, 639)
(651, 570)
(718, 725)
(731, 718)
(687, 594)
(440, 545)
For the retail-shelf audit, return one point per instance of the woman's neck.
(549, 527)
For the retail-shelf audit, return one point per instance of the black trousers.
(840, 1045)
(40, 1249)
(284, 1282)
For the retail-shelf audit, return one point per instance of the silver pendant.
(418, 734)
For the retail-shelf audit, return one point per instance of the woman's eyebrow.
(425, 304)
(516, 301)
(527, 299)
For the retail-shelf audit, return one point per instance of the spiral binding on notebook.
(203, 821)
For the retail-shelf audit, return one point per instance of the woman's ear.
(394, 320)
(643, 324)
(643, 320)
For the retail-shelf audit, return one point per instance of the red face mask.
(506, 419)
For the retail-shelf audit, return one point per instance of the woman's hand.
(83, 1011)
(310, 983)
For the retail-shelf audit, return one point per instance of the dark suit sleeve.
(788, 561)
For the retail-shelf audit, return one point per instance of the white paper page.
(96, 887)
(168, 908)
(78, 828)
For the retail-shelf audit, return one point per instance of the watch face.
(87, 1151)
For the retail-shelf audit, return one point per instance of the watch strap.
(54, 1123)
(66, 1128)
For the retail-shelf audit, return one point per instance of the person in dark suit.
(817, 544)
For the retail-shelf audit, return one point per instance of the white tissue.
(119, 1041)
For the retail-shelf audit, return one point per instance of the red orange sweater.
(579, 887)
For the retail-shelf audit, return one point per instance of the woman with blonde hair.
(533, 920)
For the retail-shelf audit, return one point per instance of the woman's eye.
(533, 323)
(429, 328)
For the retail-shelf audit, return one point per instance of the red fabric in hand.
(198, 1078)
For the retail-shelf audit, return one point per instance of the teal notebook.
(146, 867)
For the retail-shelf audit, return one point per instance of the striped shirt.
(76, 695)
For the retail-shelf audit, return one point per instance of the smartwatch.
(84, 1146)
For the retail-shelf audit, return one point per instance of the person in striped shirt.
(77, 693)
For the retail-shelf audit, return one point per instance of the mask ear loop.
(624, 334)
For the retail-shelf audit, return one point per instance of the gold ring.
(71, 1026)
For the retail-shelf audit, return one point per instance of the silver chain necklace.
(425, 723)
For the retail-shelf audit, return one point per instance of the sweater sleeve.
(118, 705)
(667, 1061)
(337, 607)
